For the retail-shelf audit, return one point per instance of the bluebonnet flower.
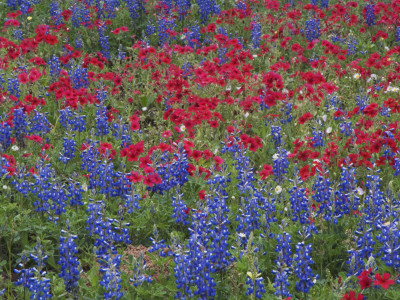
(79, 41)
(276, 135)
(268, 207)
(396, 167)
(182, 274)
(2, 81)
(4, 164)
(172, 168)
(79, 77)
(193, 267)
(180, 209)
(111, 277)
(245, 171)
(164, 25)
(287, 110)
(122, 133)
(218, 223)
(318, 138)
(55, 13)
(76, 16)
(374, 201)
(193, 37)
(39, 124)
(150, 28)
(20, 125)
(370, 14)
(283, 264)
(107, 181)
(364, 248)
(95, 210)
(131, 200)
(25, 5)
(12, 4)
(385, 111)
(121, 53)
(222, 55)
(302, 261)
(347, 196)
(249, 216)
(19, 182)
(69, 262)
(156, 244)
(312, 29)
(324, 4)
(39, 285)
(18, 34)
(80, 15)
(199, 257)
(59, 200)
(110, 8)
(5, 136)
(299, 203)
(101, 227)
(25, 274)
(187, 69)
(183, 8)
(75, 191)
(55, 67)
(241, 5)
(103, 40)
(351, 45)
(120, 228)
(336, 38)
(254, 281)
(69, 146)
(135, 7)
(256, 287)
(362, 100)
(41, 187)
(166, 6)
(89, 157)
(397, 33)
(102, 127)
(72, 120)
(13, 86)
(332, 103)
(280, 164)
(207, 8)
(139, 268)
(345, 128)
(256, 33)
(389, 237)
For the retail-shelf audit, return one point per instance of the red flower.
(364, 280)
(352, 296)
(371, 110)
(305, 117)
(305, 172)
(135, 177)
(211, 27)
(202, 194)
(266, 172)
(35, 138)
(50, 39)
(218, 160)
(384, 281)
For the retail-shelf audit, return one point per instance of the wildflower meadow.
(205, 149)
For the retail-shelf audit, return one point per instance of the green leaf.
(147, 100)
